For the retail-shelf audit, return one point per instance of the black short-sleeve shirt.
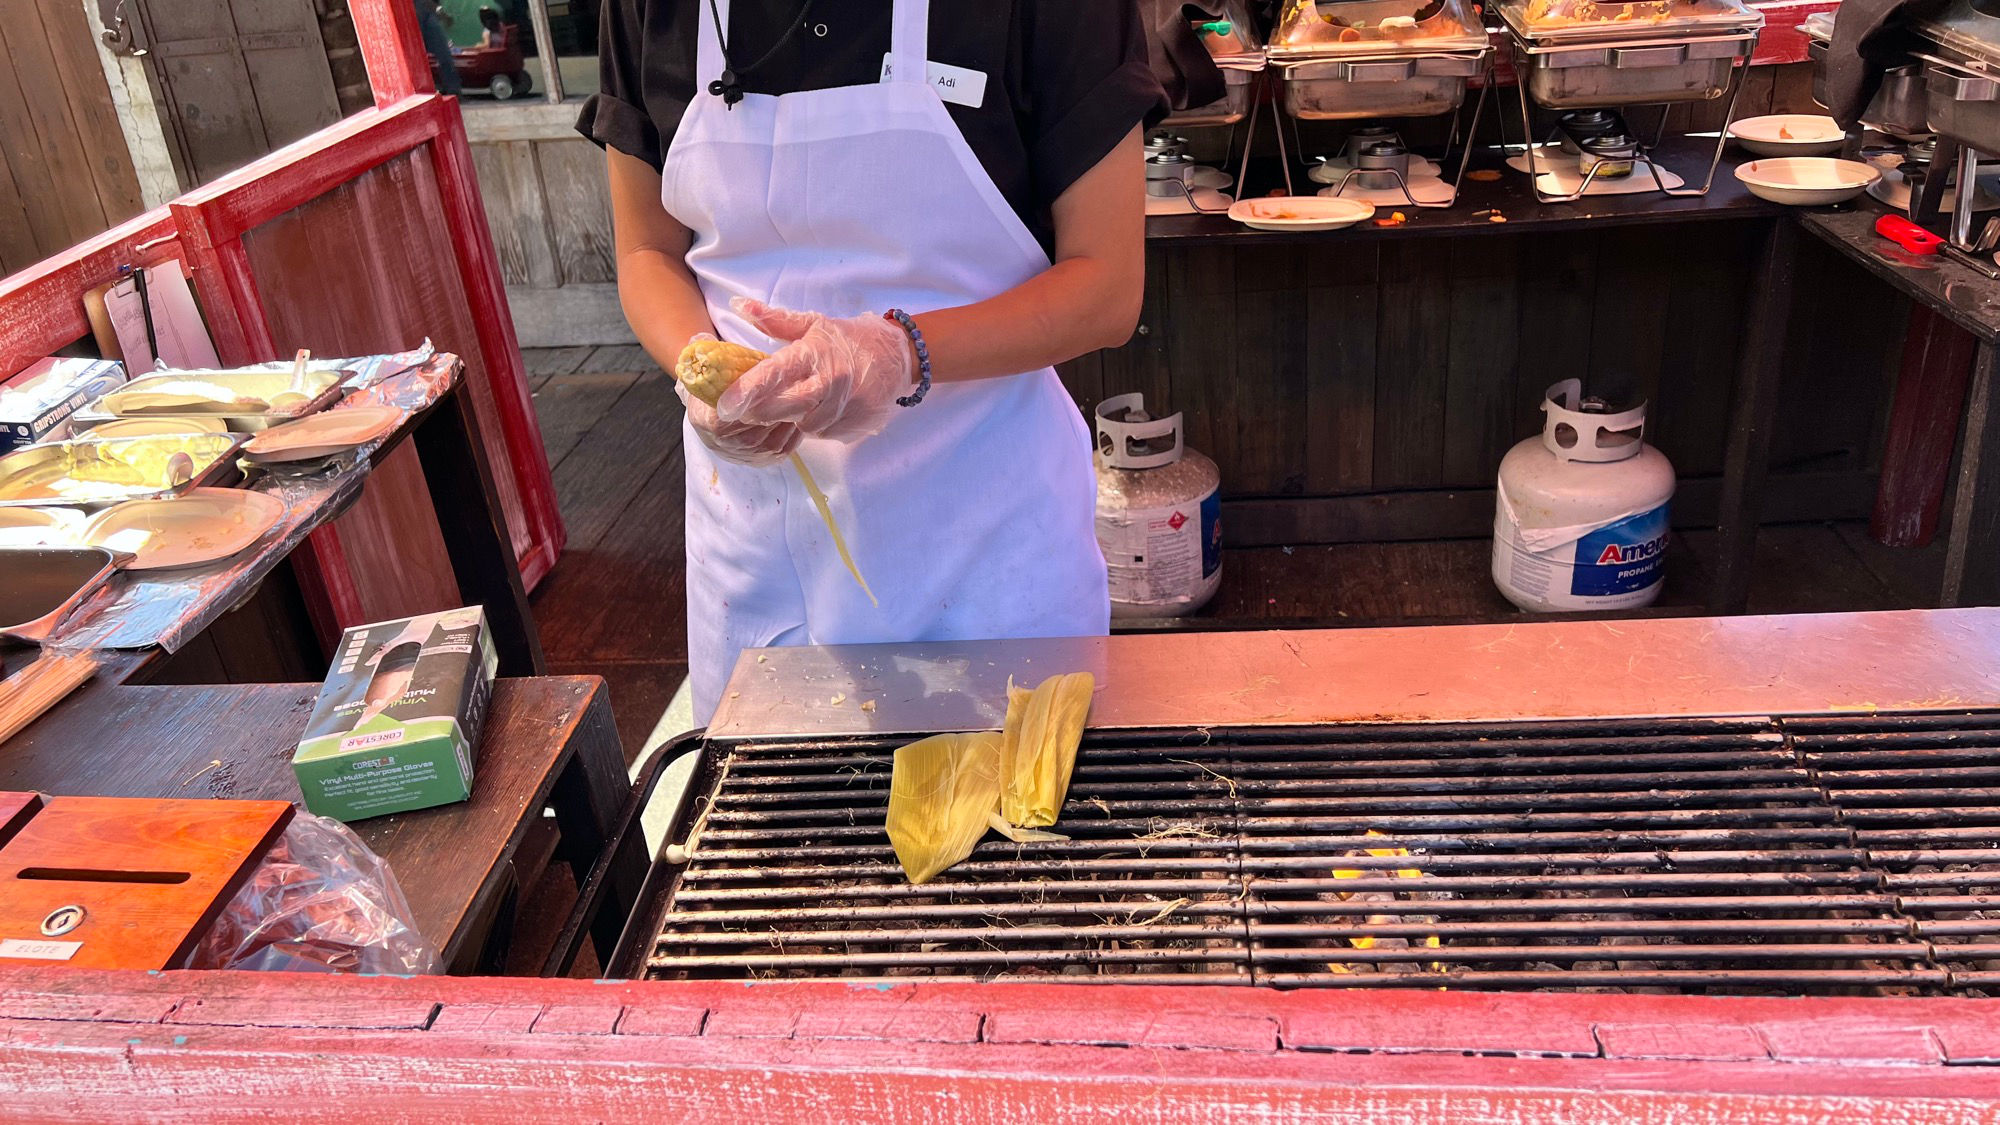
(1066, 79)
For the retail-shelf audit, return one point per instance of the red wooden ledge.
(238, 1046)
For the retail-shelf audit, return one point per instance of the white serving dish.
(200, 527)
(1807, 181)
(324, 434)
(1300, 213)
(1789, 134)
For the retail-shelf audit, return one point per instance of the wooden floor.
(615, 605)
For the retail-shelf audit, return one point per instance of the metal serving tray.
(257, 384)
(1400, 85)
(1603, 75)
(113, 470)
(45, 585)
(1962, 103)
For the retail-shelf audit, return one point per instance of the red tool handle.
(1907, 234)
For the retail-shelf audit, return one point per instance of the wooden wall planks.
(65, 173)
(1318, 370)
(549, 206)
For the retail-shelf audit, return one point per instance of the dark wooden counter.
(1969, 301)
(1361, 385)
(548, 742)
(1512, 199)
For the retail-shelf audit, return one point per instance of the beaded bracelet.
(923, 357)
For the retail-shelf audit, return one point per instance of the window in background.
(498, 52)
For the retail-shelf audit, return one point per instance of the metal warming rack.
(1820, 854)
(1373, 60)
(1593, 58)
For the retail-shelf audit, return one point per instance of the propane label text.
(1623, 558)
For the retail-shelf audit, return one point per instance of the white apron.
(971, 514)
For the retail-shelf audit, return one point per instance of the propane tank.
(1159, 513)
(1582, 510)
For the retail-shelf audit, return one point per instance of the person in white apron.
(911, 314)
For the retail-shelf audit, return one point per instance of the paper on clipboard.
(176, 321)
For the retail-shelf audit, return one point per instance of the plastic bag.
(319, 902)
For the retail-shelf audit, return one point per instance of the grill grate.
(1818, 855)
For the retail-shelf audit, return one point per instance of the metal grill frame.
(663, 882)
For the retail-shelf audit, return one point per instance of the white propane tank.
(1582, 512)
(1159, 513)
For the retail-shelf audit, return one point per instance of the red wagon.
(500, 69)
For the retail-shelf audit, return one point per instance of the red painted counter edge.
(227, 1046)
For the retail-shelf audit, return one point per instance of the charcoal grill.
(1779, 855)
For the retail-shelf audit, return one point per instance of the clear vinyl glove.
(746, 443)
(836, 378)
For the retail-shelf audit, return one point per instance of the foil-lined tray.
(242, 399)
(82, 473)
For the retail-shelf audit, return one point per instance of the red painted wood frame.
(41, 308)
(248, 1046)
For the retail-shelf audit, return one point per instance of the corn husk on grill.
(707, 368)
(945, 791)
(1038, 747)
(942, 791)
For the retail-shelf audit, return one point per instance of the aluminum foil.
(168, 608)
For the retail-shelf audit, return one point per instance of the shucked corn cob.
(707, 368)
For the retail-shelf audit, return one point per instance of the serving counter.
(548, 742)
(227, 1045)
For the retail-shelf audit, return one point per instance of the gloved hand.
(837, 378)
(745, 443)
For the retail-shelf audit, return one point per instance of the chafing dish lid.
(1335, 28)
(1608, 19)
(1961, 26)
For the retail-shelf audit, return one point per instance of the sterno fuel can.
(1581, 520)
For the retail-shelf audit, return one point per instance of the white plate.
(1789, 134)
(151, 427)
(323, 434)
(38, 527)
(1300, 212)
(199, 527)
(1807, 181)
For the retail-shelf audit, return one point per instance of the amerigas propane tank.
(1582, 520)
(1159, 513)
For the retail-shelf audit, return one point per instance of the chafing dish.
(46, 584)
(1349, 60)
(1897, 108)
(82, 473)
(256, 399)
(1598, 55)
(1365, 60)
(1586, 54)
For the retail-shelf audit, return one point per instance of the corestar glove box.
(398, 719)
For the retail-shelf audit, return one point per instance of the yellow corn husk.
(1038, 746)
(942, 791)
(707, 368)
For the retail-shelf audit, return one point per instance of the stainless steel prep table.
(1901, 661)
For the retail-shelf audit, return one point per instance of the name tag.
(954, 84)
